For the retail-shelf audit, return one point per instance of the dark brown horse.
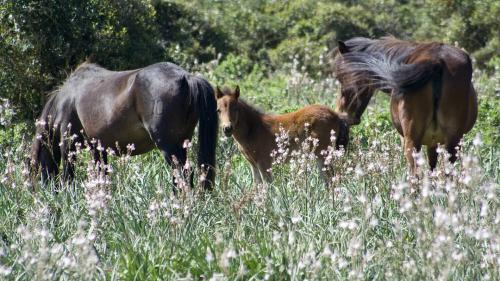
(158, 105)
(255, 132)
(433, 100)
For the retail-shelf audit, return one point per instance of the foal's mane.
(250, 109)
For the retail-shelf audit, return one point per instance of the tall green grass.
(374, 224)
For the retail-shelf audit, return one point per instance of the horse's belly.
(433, 136)
(123, 137)
(134, 137)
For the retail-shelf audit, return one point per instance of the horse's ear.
(237, 91)
(218, 92)
(184, 84)
(343, 47)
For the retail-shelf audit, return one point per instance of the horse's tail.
(204, 97)
(389, 72)
(407, 77)
(45, 153)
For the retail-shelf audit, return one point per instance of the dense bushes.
(42, 41)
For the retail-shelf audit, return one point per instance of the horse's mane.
(87, 65)
(379, 64)
(387, 46)
(49, 107)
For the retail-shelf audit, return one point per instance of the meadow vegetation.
(373, 224)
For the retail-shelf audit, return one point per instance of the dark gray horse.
(158, 105)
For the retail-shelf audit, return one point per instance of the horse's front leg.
(100, 157)
(176, 156)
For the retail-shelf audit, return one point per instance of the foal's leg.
(266, 175)
(257, 179)
(325, 173)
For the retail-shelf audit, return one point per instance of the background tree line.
(41, 41)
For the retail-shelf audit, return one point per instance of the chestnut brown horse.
(433, 100)
(255, 132)
(158, 105)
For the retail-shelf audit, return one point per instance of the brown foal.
(255, 132)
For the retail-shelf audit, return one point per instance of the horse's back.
(163, 100)
(315, 120)
(307, 114)
(158, 85)
(102, 102)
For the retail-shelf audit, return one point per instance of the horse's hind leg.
(49, 159)
(47, 153)
(432, 157)
(409, 145)
(68, 161)
(452, 149)
(69, 138)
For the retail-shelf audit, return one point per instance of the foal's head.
(227, 108)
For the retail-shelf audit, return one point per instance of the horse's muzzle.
(228, 130)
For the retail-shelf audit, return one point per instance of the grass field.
(374, 224)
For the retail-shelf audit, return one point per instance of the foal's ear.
(237, 92)
(218, 92)
(343, 47)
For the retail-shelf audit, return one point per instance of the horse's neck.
(252, 127)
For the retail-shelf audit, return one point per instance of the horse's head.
(355, 91)
(227, 108)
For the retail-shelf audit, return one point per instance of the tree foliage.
(41, 41)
